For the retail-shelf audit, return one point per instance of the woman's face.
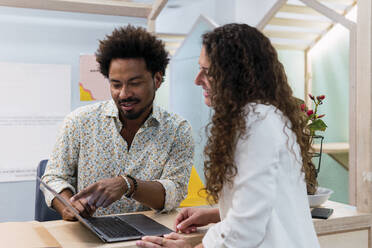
(202, 78)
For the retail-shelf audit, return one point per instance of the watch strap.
(129, 187)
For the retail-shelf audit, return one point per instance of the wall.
(186, 99)
(294, 65)
(34, 36)
(251, 12)
(330, 66)
(50, 37)
(186, 16)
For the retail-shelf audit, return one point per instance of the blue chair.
(42, 211)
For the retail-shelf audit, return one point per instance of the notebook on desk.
(116, 228)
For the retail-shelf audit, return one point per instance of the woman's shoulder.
(264, 113)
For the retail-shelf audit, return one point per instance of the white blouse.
(266, 206)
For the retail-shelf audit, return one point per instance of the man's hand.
(84, 209)
(101, 193)
(190, 218)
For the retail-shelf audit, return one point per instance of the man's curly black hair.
(132, 42)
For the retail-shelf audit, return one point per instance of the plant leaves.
(317, 125)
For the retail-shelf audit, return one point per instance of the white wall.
(50, 37)
(251, 12)
(224, 11)
(181, 20)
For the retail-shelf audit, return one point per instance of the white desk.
(346, 228)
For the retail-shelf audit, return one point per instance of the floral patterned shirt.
(89, 148)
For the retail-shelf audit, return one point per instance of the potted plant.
(314, 124)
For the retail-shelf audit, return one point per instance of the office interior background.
(52, 37)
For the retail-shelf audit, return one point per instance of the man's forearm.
(150, 193)
(57, 204)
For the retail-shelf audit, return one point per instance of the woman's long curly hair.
(244, 68)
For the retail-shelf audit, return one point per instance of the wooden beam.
(324, 32)
(330, 13)
(298, 9)
(291, 35)
(339, 1)
(157, 6)
(355, 128)
(151, 26)
(289, 46)
(362, 108)
(289, 22)
(270, 14)
(171, 36)
(104, 7)
(172, 44)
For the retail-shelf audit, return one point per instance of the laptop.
(116, 228)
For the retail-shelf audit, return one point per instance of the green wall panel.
(330, 72)
(294, 65)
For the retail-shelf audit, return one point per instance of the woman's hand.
(172, 240)
(190, 218)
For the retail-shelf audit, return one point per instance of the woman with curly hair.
(257, 158)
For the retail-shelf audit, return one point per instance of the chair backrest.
(42, 211)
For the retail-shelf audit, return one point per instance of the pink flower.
(303, 107)
(311, 97)
(321, 97)
(310, 112)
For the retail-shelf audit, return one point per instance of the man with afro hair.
(125, 154)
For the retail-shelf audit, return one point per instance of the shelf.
(333, 148)
(338, 151)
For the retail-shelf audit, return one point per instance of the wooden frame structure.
(128, 8)
(104, 7)
(363, 107)
(360, 119)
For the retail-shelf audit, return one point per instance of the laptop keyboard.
(114, 227)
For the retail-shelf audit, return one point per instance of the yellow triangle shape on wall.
(194, 197)
(85, 95)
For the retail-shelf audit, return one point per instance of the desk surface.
(343, 219)
(73, 234)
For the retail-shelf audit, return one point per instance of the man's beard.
(135, 115)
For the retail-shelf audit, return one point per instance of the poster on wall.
(92, 84)
(34, 100)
